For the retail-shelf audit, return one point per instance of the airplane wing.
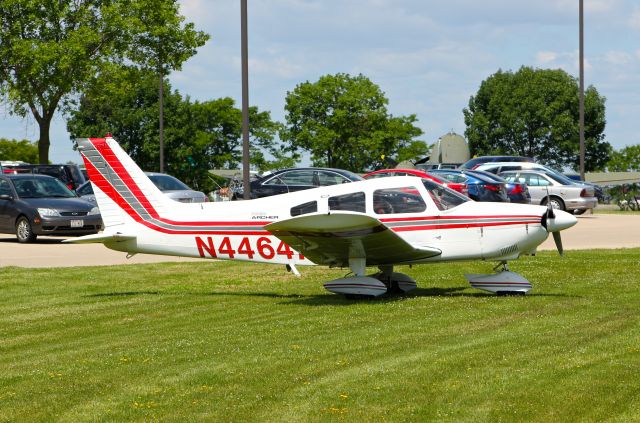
(331, 239)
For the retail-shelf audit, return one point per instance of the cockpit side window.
(348, 202)
(398, 200)
(443, 197)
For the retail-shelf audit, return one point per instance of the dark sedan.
(291, 180)
(480, 187)
(32, 205)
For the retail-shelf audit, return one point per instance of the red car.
(461, 188)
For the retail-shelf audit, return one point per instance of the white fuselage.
(235, 230)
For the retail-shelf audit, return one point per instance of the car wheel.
(556, 203)
(24, 233)
(579, 212)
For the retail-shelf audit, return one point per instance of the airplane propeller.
(554, 222)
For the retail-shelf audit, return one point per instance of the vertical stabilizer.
(125, 195)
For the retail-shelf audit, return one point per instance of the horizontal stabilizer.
(100, 238)
(332, 239)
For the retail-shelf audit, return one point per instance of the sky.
(428, 56)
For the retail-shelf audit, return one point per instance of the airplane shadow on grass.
(330, 299)
(122, 294)
(333, 299)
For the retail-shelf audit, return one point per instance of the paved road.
(592, 231)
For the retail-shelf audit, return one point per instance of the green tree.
(625, 160)
(22, 150)
(199, 135)
(343, 122)
(50, 49)
(534, 112)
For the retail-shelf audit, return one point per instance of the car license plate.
(79, 223)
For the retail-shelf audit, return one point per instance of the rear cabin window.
(327, 178)
(5, 189)
(305, 208)
(398, 200)
(348, 202)
(535, 180)
(293, 178)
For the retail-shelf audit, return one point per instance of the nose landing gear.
(503, 282)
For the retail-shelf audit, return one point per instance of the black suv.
(67, 173)
(297, 179)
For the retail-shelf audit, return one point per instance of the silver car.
(560, 191)
(170, 186)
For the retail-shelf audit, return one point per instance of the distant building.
(450, 150)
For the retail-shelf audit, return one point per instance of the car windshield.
(42, 187)
(167, 183)
(85, 189)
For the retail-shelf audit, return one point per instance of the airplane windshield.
(443, 197)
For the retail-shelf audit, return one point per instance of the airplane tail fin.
(125, 195)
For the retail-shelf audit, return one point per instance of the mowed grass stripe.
(239, 341)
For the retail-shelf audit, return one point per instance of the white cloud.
(617, 57)
(545, 57)
(634, 19)
(567, 60)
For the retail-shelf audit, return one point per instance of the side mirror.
(6, 197)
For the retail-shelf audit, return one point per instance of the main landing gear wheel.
(502, 283)
(24, 232)
(365, 287)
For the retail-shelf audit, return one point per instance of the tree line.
(104, 63)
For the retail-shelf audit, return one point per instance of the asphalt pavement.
(592, 231)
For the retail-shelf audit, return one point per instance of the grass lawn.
(244, 342)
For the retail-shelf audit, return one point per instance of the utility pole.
(581, 105)
(245, 99)
(161, 111)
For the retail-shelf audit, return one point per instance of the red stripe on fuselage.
(505, 216)
(458, 226)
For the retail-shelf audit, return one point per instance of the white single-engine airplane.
(379, 222)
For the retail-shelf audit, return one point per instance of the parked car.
(516, 191)
(298, 179)
(456, 186)
(558, 190)
(32, 205)
(172, 187)
(70, 174)
(480, 187)
(477, 161)
(175, 189)
(508, 166)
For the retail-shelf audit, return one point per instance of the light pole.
(245, 99)
(581, 103)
